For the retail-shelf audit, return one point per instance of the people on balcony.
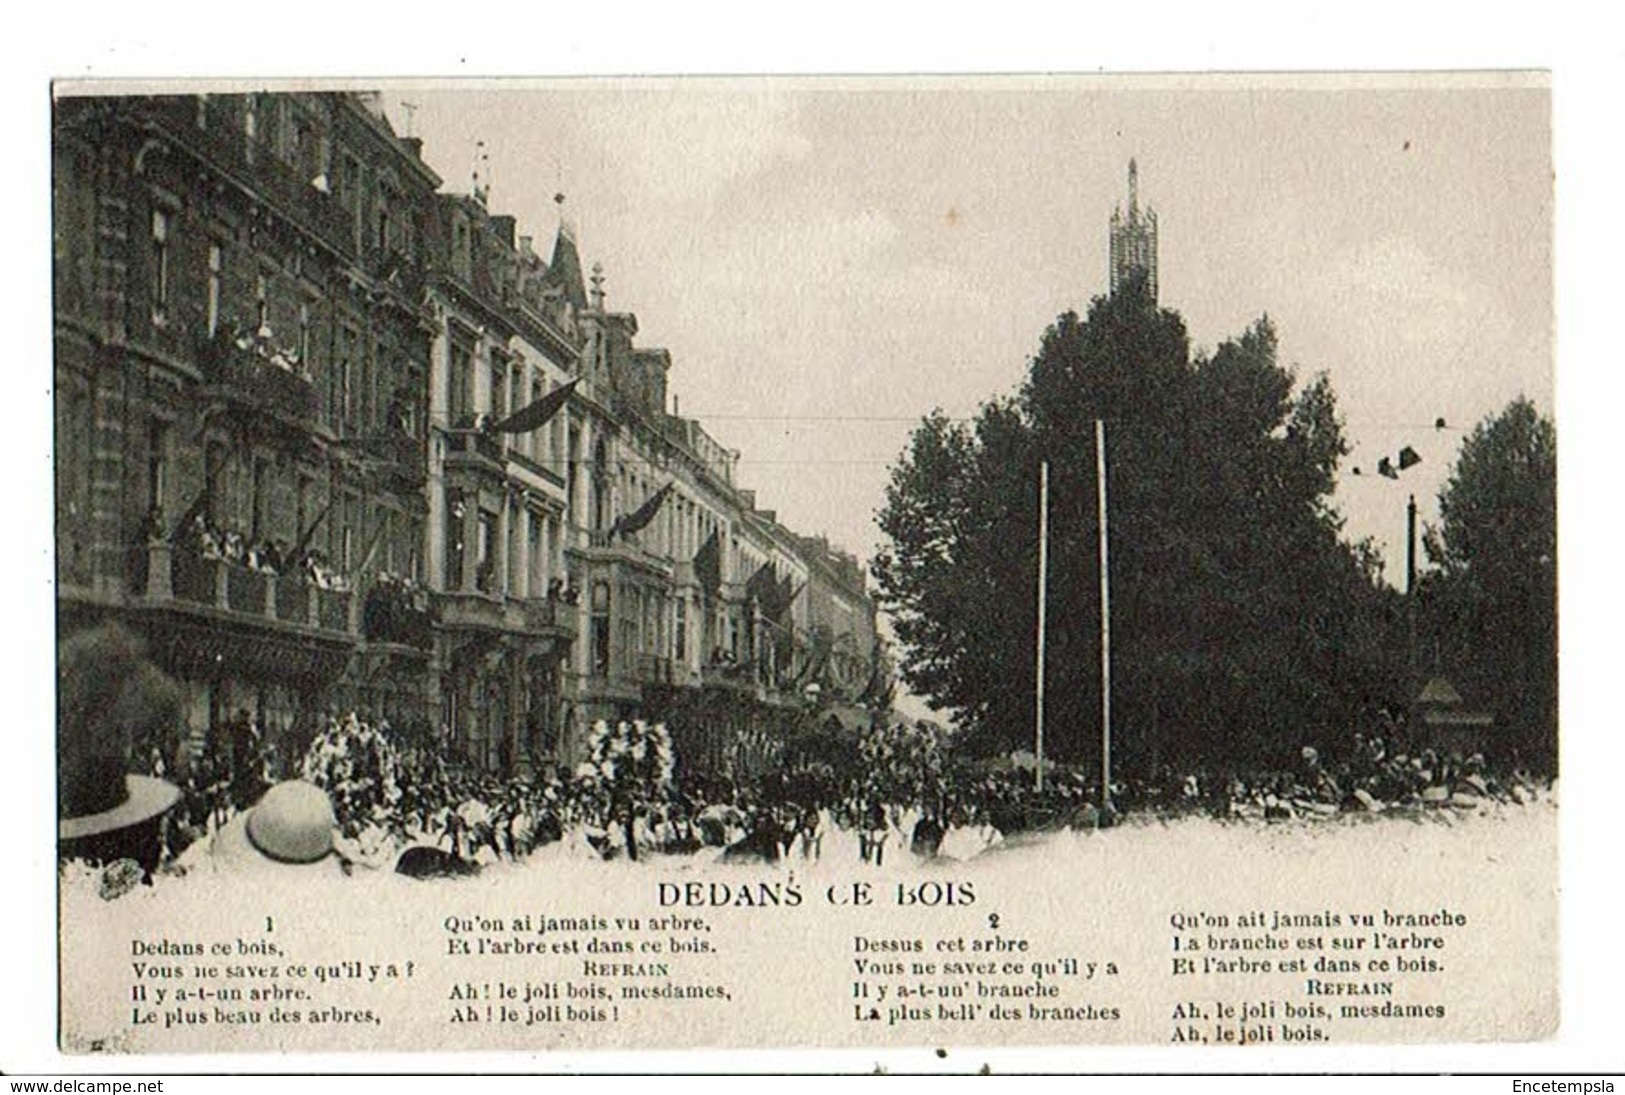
(266, 557)
(324, 576)
(396, 610)
(261, 342)
(204, 539)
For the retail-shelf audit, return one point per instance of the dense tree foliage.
(1241, 624)
(1493, 599)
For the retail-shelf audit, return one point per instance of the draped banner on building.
(762, 587)
(534, 416)
(640, 517)
(708, 565)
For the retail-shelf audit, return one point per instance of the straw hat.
(291, 825)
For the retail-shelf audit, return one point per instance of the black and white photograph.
(805, 561)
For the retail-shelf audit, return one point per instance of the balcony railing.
(231, 587)
(497, 612)
(467, 608)
(247, 590)
(293, 601)
(734, 674)
(548, 613)
(333, 609)
(245, 368)
(396, 615)
(475, 442)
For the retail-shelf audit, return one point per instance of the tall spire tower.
(1134, 239)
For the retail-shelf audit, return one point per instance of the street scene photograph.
(739, 492)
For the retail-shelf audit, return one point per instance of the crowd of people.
(1370, 773)
(388, 809)
(417, 810)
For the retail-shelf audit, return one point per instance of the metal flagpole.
(1105, 626)
(1043, 598)
(1412, 684)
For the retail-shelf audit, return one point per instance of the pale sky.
(828, 261)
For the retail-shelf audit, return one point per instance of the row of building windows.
(474, 542)
(362, 391)
(297, 139)
(255, 496)
(653, 625)
(509, 386)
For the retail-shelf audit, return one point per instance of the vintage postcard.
(816, 562)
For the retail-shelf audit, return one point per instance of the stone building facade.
(241, 358)
(297, 399)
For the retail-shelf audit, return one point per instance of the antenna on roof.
(411, 110)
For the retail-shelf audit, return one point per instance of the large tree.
(1493, 599)
(957, 572)
(1241, 624)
